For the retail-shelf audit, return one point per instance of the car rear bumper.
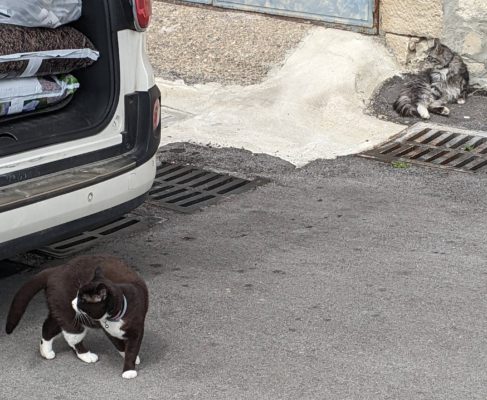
(54, 200)
(40, 223)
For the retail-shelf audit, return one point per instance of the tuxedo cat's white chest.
(113, 328)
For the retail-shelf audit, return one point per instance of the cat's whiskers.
(77, 322)
(77, 318)
(82, 318)
(85, 319)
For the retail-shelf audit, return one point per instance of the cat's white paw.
(88, 357)
(45, 349)
(423, 111)
(48, 355)
(137, 360)
(461, 101)
(130, 374)
(445, 111)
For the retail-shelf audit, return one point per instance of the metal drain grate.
(187, 189)
(435, 146)
(9, 268)
(73, 245)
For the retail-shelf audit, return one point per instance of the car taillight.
(156, 114)
(142, 13)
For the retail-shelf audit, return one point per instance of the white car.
(66, 171)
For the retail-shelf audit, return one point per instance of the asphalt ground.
(345, 279)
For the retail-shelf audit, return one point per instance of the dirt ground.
(203, 44)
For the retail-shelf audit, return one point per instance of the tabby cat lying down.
(89, 292)
(444, 81)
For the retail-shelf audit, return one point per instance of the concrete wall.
(460, 24)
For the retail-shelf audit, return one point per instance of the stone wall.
(465, 30)
(408, 26)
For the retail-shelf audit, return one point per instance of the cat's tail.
(22, 299)
(404, 107)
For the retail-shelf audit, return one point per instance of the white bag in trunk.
(39, 13)
(31, 94)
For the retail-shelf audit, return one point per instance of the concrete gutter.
(312, 107)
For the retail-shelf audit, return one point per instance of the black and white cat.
(89, 292)
(444, 81)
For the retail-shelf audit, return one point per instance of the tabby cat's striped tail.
(405, 108)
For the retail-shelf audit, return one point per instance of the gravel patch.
(203, 44)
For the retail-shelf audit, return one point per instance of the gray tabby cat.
(445, 81)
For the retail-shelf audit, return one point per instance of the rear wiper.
(4, 15)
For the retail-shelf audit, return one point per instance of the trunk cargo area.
(92, 106)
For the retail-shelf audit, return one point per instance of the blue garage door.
(347, 12)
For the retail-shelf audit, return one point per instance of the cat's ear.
(101, 293)
(98, 274)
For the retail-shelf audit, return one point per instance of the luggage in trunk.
(39, 13)
(94, 104)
